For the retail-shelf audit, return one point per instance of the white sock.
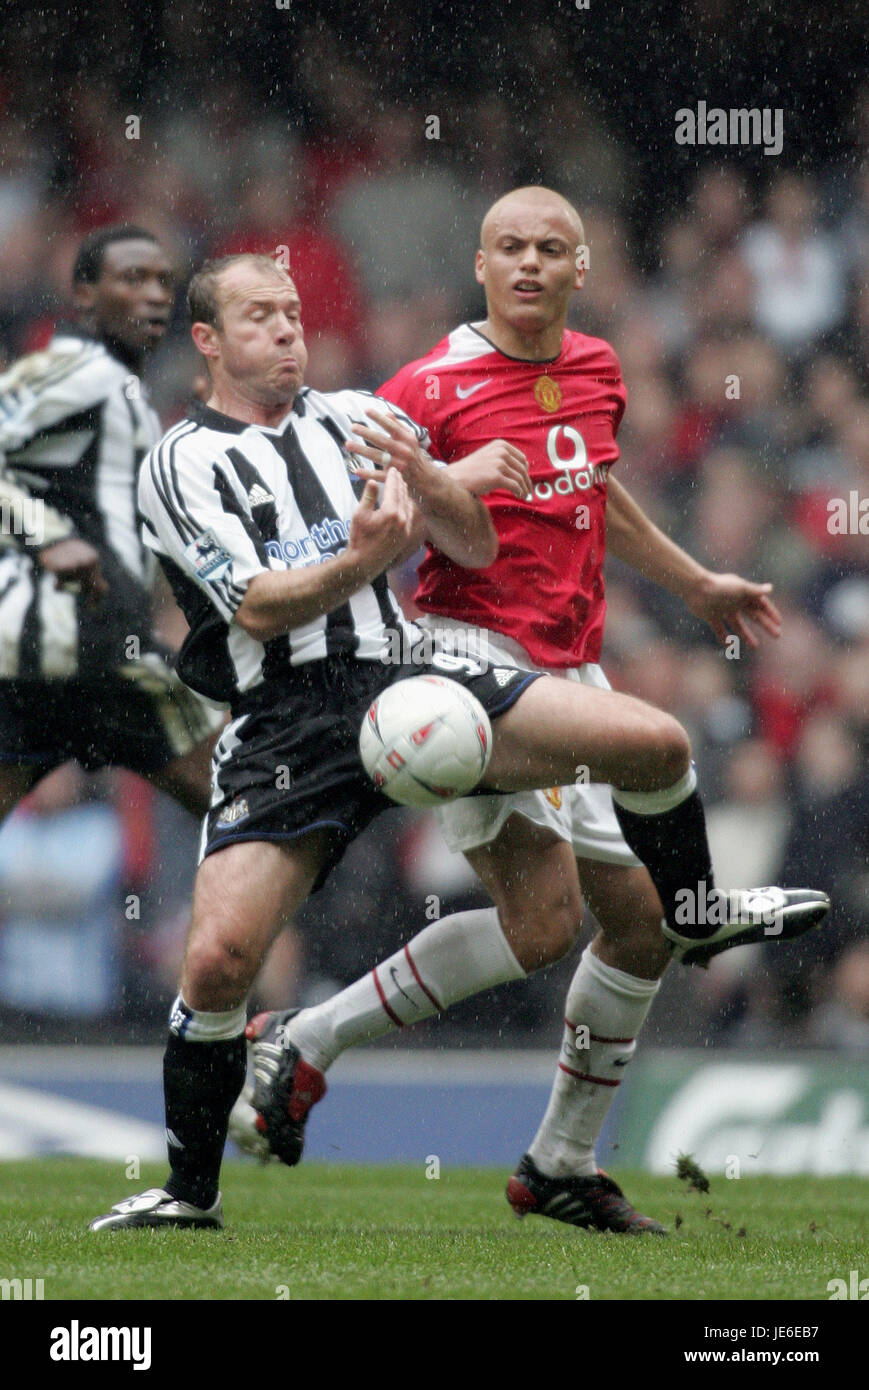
(457, 956)
(194, 1025)
(605, 1010)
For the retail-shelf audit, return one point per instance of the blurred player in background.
(80, 674)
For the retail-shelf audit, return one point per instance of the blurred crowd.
(740, 313)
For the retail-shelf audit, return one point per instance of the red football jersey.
(546, 587)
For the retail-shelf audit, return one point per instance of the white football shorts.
(582, 814)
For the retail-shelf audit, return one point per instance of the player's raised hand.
(497, 466)
(75, 564)
(443, 511)
(388, 443)
(729, 603)
(379, 534)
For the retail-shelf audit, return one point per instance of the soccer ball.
(425, 740)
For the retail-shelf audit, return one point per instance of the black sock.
(674, 848)
(201, 1082)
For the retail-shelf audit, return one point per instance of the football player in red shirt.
(558, 397)
(526, 414)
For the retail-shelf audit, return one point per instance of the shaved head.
(531, 260)
(533, 199)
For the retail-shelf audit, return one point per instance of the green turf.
(326, 1231)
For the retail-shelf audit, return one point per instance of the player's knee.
(543, 936)
(672, 750)
(215, 968)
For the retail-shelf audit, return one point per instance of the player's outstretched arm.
(455, 521)
(727, 602)
(277, 600)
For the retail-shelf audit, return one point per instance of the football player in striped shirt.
(81, 675)
(277, 555)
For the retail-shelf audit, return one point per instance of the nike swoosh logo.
(463, 395)
(394, 973)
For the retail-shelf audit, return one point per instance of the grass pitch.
(339, 1232)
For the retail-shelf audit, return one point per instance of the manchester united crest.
(553, 794)
(547, 394)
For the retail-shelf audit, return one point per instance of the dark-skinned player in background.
(75, 578)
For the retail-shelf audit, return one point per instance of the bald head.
(532, 201)
(531, 260)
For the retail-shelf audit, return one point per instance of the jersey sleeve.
(197, 519)
(406, 392)
(354, 406)
(46, 388)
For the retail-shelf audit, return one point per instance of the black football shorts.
(291, 763)
(141, 719)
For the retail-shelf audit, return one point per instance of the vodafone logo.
(566, 451)
(554, 446)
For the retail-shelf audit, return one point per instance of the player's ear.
(204, 336)
(480, 267)
(581, 263)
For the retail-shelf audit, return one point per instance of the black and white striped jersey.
(224, 501)
(74, 427)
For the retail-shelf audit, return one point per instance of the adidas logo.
(258, 496)
(178, 1019)
(504, 675)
